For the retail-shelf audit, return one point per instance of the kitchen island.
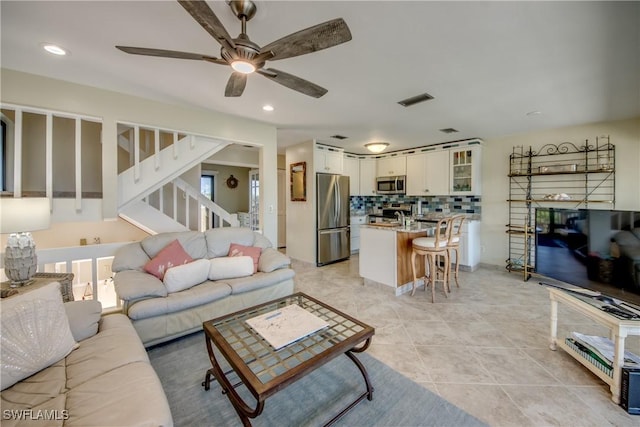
(385, 254)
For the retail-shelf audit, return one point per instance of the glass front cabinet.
(465, 173)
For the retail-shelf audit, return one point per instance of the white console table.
(619, 329)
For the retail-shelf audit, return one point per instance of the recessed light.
(534, 113)
(267, 107)
(54, 49)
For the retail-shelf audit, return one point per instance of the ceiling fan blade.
(203, 14)
(293, 82)
(236, 84)
(312, 39)
(163, 53)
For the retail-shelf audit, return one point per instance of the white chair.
(453, 244)
(432, 248)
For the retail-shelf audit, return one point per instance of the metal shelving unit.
(563, 175)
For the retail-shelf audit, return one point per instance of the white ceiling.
(486, 63)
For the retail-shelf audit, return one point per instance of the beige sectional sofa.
(105, 380)
(159, 315)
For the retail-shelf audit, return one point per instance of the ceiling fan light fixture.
(376, 147)
(54, 49)
(243, 67)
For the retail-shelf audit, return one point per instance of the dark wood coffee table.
(265, 371)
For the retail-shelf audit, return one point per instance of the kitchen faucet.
(400, 216)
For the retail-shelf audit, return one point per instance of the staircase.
(151, 194)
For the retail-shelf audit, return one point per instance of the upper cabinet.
(367, 177)
(428, 174)
(351, 166)
(465, 170)
(392, 165)
(328, 159)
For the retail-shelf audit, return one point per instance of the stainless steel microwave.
(391, 184)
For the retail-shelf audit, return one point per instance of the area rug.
(312, 401)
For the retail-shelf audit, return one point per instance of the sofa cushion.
(38, 390)
(271, 259)
(259, 280)
(193, 243)
(129, 257)
(170, 256)
(192, 297)
(230, 267)
(636, 232)
(131, 395)
(254, 252)
(220, 239)
(133, 284)
(115, 346)
(34, 333)
(84, 317)
(185, 276)
(261, 241)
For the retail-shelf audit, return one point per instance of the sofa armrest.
(133, 284)
(271, 259)
(84, 317)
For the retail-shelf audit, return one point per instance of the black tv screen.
(589, 248)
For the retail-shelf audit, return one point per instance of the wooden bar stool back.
(431, 248)
(453, 244)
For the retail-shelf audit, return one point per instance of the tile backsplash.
(447, 204)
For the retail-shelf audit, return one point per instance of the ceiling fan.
(246, 57)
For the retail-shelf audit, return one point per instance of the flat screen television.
(589, 248)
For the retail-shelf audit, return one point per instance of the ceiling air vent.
(339, 137)
(449, 130)
(415, 100)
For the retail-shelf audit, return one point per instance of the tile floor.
(484, 348)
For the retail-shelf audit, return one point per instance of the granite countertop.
(416, 227)
(435, 216)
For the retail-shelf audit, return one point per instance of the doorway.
(208, 189)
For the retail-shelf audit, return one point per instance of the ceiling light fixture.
(534, 113)
(267, 107)
(54, 49)
(376, 147)
(243, 67)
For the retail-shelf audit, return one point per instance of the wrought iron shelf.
(586, 173)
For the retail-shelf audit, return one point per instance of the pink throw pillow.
(252, 251)
(170, 256)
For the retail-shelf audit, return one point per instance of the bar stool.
(431, 248)
(453, 244)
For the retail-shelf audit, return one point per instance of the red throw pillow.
(252, 251)
(170, 256)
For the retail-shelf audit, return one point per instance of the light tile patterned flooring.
(484, 348)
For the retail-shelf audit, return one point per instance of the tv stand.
(619, 329)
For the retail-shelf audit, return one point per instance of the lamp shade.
(18, 215)
(376, 147)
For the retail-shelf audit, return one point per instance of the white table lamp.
(19, 216)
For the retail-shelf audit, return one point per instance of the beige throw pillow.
(230, 267)
(186, 276)
(34, 333)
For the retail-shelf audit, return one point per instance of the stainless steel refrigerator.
(333, 234)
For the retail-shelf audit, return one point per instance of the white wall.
(624, 134)
(301, 216)
(28, 89)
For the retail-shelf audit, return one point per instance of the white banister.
(156, 140)
(17, 154)
(175, 145)
(136, 153)
(78, 165)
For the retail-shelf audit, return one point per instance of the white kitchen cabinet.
(356, 222)
(469, 246)
(392, 165)
(328, 159)
(351, 166)
(465, 170)
(367, 177)
(428, 174)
